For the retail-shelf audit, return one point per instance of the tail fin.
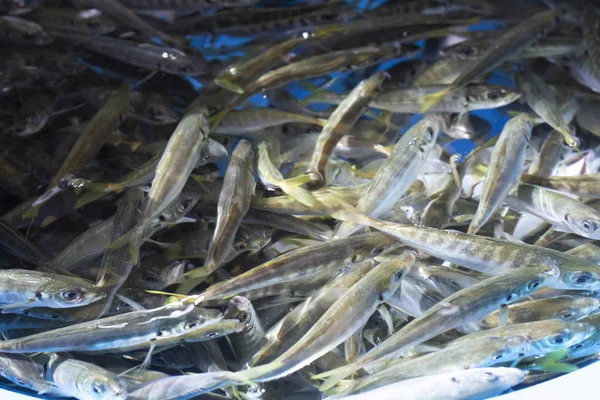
(434, 99)
(292, 187)
(335, 375)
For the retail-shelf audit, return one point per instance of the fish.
(470, 304)
(340, 121)
(22, 289)
(399, 171)
(83, 380)
(562, 211)
(349, 312)
(244, 342)
(135, 330)
(512, 41)
(409, 100)
(172, 171)
(301, 263)
(234, 202)
(505, 167)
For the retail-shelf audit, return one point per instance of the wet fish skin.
(23, 371)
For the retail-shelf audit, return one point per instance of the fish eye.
(153, 112)
(468, 51)
(428, 134)
(72, 294)
(398, 275)
(490, 377)
(498, 356)
(243, 317)
(578, 346)
(98, 388)
(532, 285)
(557, 339)
(150, 277)
(493, 95)
(567, 315)
(377, 250)
(193, 324)
(241, 245)
(213, 334)
(588, 225)
(185, 205)
(582, 278)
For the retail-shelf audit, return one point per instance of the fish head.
(157, 110)
(578, 274)
(552, 335)
(578, 308)
(196, 320)
(74, 293)
(469, 50)
(252, 240)
(23, 372)
(490, 96)
(31, 124)
(97, 385)
(240, 308)
(499, 377)
(587, 227)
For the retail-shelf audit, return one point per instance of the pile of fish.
(297, 199)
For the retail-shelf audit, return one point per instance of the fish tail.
(292, 187)
(333, 377)
(348, 213)
(228, 84)
(321, 121)
(434, 99)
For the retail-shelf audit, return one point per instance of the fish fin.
(148, 360)
(52, 390)
(228, 84)
(348, 213)
(160, 292)
(553, 357)
(133, 304)
(434, 99)
(14, 308)
(293, 189)
(553, 367)
(192, 279)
